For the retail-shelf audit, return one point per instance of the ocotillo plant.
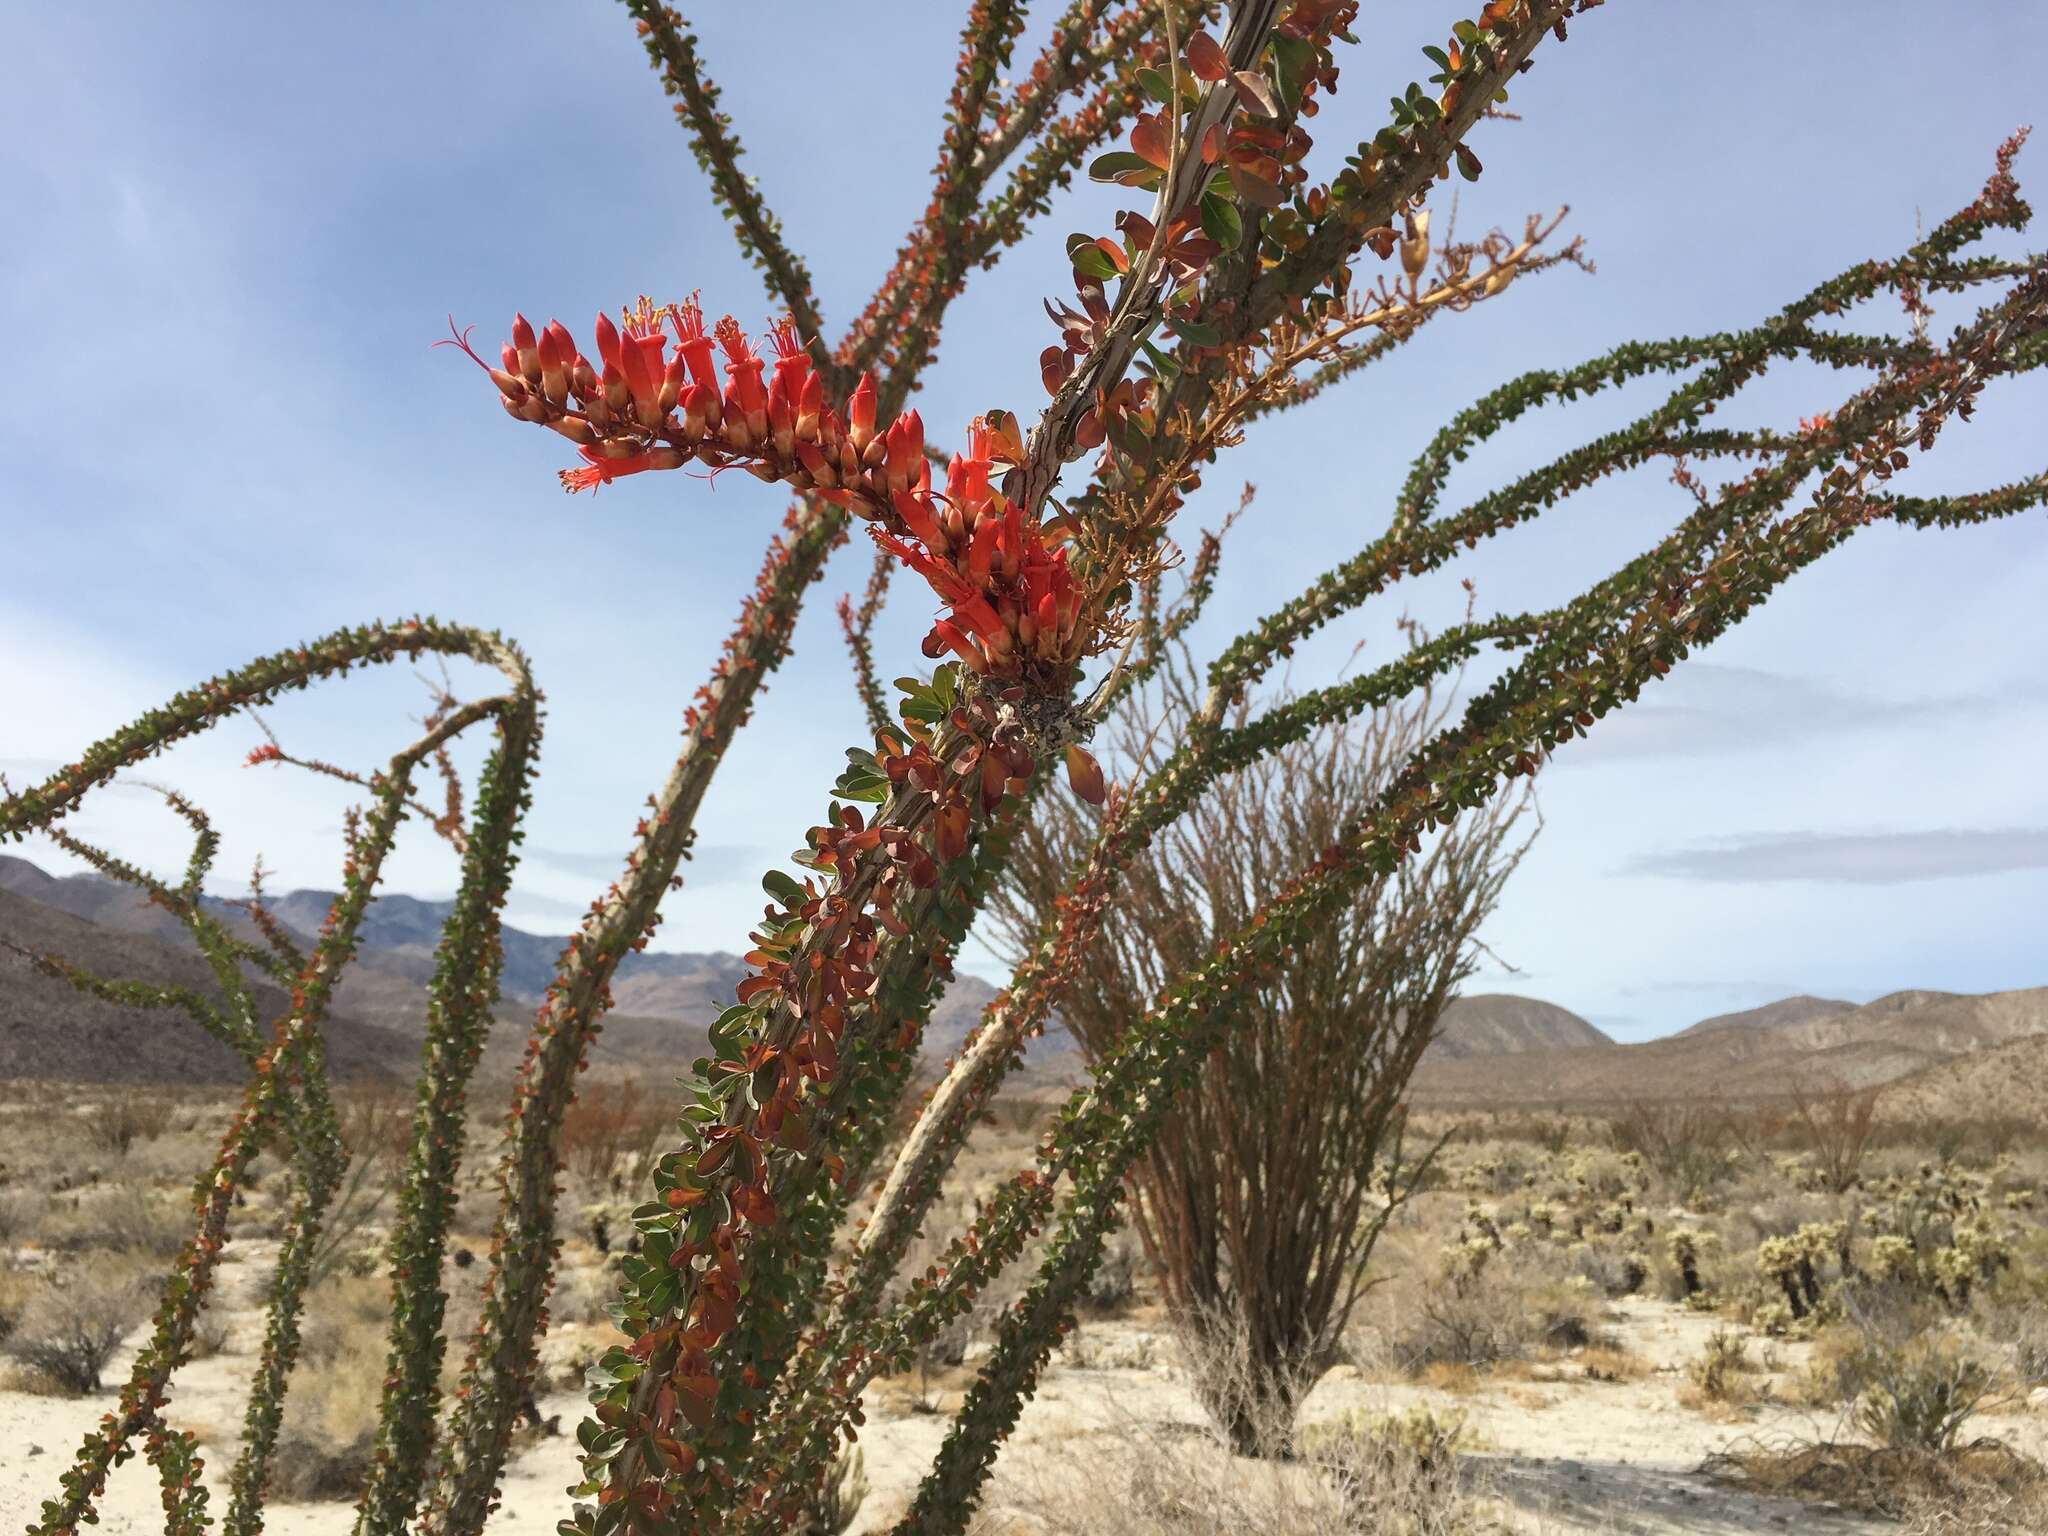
(1262, 271)
(1261, 1199)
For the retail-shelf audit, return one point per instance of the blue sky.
(228, 431)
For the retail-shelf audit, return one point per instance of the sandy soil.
(1560, 1452)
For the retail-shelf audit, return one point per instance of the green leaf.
(1221, 222)
(1092, 261)
(1292, 59)
(782, 888)
(1118, 165)
(733, 1021)
(1200, 334)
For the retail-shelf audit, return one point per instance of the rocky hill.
(1786, 1011)
(50, 1030)
(1498, 1024)
(664, 1002)
(1755, 1056)
(1492, 1048)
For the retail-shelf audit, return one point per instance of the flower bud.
(809, 404)
(554, 380)
(607, 341)
(1415, 244)
(524, 345)
(860, 413)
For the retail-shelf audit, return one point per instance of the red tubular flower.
(692, 345)
(599, 470)
(745, 390)
(524, 345)
(946, 636)
(860, 414)
(607, 341)
(905, 450)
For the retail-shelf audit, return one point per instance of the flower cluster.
(1013, 608)
(646, 408)
(1012, 603)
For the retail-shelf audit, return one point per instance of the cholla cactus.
(1246, 286)
(1795, 1263)
(1684, 1247)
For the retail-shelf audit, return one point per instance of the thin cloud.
(1872, 858)
(1707, 708)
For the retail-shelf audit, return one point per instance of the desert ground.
(1574, 1319)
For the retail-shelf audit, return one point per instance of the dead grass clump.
(1719, 1374)
(1984, 1487)
(120, 1218)
(1610, 1363)
(330, 1416)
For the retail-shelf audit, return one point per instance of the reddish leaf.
(1150, 139)
(1253, 190)
(1255, 87)
(1085, 775)
(1206, 58)
(951, 831)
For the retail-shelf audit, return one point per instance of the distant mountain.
(663, 1002)
(1786, 1011)
(50, 1030)
(2008, 1081)
(1499, 1024)
(1877, 1043)
(1492, 1048)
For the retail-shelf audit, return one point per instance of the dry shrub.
(1916, 1378)
(17, 1288)
(1390, 1475)
(1836, 1123)
(330, 1415)
(16, 1221)
(1716, 1374)
(1261, 1199)
(610, 1132)
(72, 1324)
(126, 1119)
(1687, 1144)
(1982, 1489)
(1488, 1308)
